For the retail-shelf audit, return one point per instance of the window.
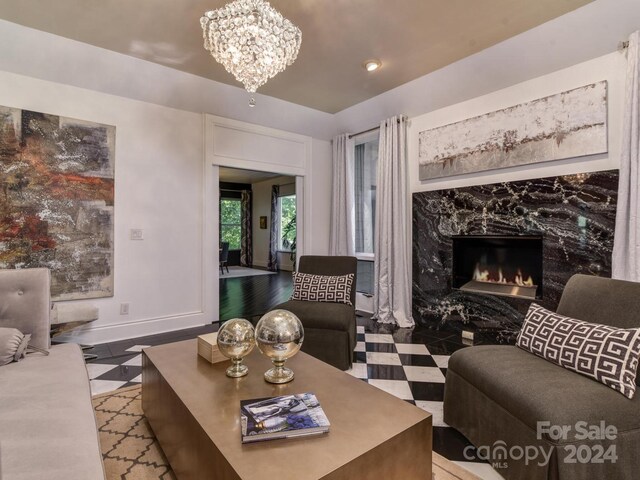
(287, 207)
(365, 182)
(231, 222)
(365, 174)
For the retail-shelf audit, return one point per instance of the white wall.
(321, 171)
(158, 169)
(161, 187)
(262, 207)
(609, 67)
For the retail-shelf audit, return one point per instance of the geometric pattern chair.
(329, 328)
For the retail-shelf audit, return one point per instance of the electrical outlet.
(124, 309)
(137, 234)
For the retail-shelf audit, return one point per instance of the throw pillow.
(322, 288)
(607, 354)
(13, 344)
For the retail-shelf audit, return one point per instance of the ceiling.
(411, 37)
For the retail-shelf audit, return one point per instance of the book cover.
(282, 417)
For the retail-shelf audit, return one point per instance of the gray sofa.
(47, 425)
(495, 395)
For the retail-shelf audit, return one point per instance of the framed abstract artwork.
(57, 200)
(565, 125)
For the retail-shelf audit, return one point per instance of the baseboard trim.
(95, 335)
(364, 303)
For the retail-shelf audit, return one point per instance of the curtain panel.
(392, 271)
(358, 196)
(246, 245)
(342, 239)
(626, 247)
(275, 230)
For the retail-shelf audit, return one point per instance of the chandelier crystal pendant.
(251, 40)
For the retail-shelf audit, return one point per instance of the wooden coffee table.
(194, 410)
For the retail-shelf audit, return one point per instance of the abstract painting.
(565, 125)
(56, 200)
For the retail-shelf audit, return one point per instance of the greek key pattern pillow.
(608, 354)
(322, 288)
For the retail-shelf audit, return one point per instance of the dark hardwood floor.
(247, 297)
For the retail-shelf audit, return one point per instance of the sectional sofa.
(47, 425)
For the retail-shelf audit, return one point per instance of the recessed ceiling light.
(372, 65)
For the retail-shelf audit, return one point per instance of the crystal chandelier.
(252, 40)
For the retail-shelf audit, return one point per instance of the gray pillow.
(13, 344)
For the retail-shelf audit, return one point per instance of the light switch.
(136, 234)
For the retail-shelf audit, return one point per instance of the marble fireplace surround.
(575, 214)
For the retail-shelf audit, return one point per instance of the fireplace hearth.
(570, 217)
(498, 265)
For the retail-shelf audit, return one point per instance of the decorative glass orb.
(279, 335)
(236, 339)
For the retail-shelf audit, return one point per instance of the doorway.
(257, 241)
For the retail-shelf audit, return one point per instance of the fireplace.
(498, 265)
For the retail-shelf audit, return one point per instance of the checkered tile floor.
(405, 363)
(407, 370)
(122, 371)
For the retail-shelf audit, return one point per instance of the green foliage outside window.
(230, 222)
(288, 223)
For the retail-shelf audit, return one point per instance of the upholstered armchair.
(329, 328)
(499, 395)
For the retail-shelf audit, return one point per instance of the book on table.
(282, 417)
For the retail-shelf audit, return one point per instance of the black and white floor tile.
(119, 364)
(410, 364)
(413, 367)
(116, 372)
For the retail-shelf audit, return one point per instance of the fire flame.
(485, 276)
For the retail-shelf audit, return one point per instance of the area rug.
(237, 272)
(129, 447)
(130, 450)
(443, 469)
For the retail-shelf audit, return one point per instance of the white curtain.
(274, 231)
(392, 299)
(342, 239)
(626, 248)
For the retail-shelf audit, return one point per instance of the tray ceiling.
(411, 37)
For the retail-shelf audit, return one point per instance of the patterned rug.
(237, 272)
(130, 450)
(129, 447)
